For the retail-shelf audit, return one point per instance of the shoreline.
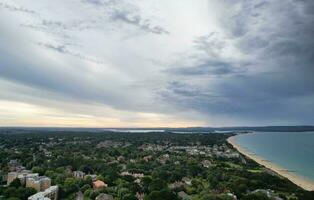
(293, 177)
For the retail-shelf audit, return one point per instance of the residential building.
(79, 174)
(98, 185)
(103, 196)
(140, 196)
(233, 196)
(39, 183)
(182, 195)
(14, 165)
(11, 176)
(206, 163)
(135, 175)
(187, 180)
(22, 175)
(50, 193)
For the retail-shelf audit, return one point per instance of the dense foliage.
(170, 163)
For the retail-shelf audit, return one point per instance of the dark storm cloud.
(280, 39)
(262, 98)
(209, 67)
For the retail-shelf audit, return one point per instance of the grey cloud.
(271, 80)
(64, 82)
(136, 20)
(127, 13)
(262, 98)
(58, 48)
(54, 31)
(188, 91)
(63, 49)
(209, 67)
(212, 43)
(16, 9)
(100, 2)
(261, 4)
(280, 39)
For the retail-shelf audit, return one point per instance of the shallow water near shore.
(293, 151)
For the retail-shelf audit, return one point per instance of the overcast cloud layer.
(138, 63)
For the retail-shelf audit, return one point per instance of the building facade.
(22, 175)
(39, 183)
(50, 193)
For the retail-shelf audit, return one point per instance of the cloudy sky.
(152, 63)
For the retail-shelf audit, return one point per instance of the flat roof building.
(50, 193)
(39, 183)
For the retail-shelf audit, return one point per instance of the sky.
(156, 63)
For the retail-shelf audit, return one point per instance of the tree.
(10, 192)
(216, 197)
(27, 192)
(129, 197)
(255, 196)
(15, 183)
(13, 198)
(157, 184)
(85, 187)
(88, 193)
(71, 185)
(161, 195)
(38, 170)
(100, 177)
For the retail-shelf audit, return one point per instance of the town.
(56, 165)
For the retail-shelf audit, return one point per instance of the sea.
(293, 151)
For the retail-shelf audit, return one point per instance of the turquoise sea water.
(290, 150)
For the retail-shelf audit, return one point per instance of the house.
(269, 193)
(103, 196)
(206, 163)
(184, 196)
(120, 158)
(138, 181)
(78, 174)
(140, 196)
(177, 184)
(187, 180)
(98, 185)
(14, 165)
(147, 158)
(233, 196)
(164, 158)
(135, 175)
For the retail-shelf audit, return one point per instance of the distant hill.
(253, 128)
(189, 129)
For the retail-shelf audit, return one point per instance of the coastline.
(296, 179)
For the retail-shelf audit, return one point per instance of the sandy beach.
(298, 180)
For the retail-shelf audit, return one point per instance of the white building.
(79, 174)
(49, 194)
